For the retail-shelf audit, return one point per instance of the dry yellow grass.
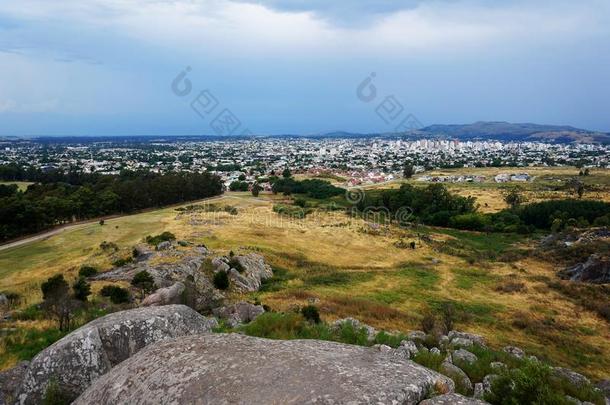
(350, 269)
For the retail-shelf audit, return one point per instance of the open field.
(350, 269)
(23, 185)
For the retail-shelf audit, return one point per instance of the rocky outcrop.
(10, 380)
(457, 375)
(357, 325)
(462, 356)
(452, 399)
(91, 351)
(514, 351)
(248, 272)
(604, 387)
(220, 368)
(595, 270)
(165, 296)
(239, 313)
(457, 338)
(575, 379)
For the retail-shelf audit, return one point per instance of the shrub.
(109, 246)
(87, 271)
(311, 313)
(534, 383)
(163, 237)
(221, 280)
(82, 289)
(428, 359)
(122, 261)
(392, 340)
(448, 315)
(510, 287)
(471, 222)
(117, 295)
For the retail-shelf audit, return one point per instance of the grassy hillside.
(351, 269)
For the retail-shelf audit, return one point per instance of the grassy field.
(23, 185)
(350, 269)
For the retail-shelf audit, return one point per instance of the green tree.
(286, 173)
(514, 197)
(256, 189)
(82, 289)
(408, 171)
(57, 301)
(144, 282)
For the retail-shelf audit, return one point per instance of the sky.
(220, 67)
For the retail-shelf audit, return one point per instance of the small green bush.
(117, 295)
(163, 237)
(221, 280)
(122, 261)
(392, 340)
(428, 359)
(87, 271)
(311, 313)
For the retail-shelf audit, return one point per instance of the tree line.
(59, 197)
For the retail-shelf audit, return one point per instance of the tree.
(286, 173)
(144, 282)
(242, 177)
(82, 289)
(57, 301)
(256, 189)
(408, 171)
(514, 197)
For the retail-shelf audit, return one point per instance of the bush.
(122, 261)
(82, 289)
(448, 315)
(87, 271)
(221, 280)
(311, 313)
(534, 383)
(471, 222)
(163, 237)
(117, 295)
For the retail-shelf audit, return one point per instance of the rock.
(233, 368)
(3, 300)
(10, 380)
(461, 342)
(573, 400)
(383, 348)
(457, 375)
(577, 380)
(251, 271)
(498, 366)
(165, 245)
(241, 312)
(604, 387)
(417, 336)
(407, 349)
(595, 270)
(220, 264)
(463, 356)
(514, 351)
(371, 333)
(452, 399)
(476, 339)
(479, 392)
(436, 351)
(165, 296)
(187, 269)
(142, 252)
(92, 350)
(443, 341)
(488, 382)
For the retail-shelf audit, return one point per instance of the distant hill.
(506, 131)
(502, 131)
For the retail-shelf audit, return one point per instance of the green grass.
(469, 278)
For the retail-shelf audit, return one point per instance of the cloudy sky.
(106, 67)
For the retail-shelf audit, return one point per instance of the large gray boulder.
(457, 375)
(452, 399)
(238, 369)
(165, 296)
(462, 337)
(92, 350)
(10, 380)
(251, 271)
(239, 313)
